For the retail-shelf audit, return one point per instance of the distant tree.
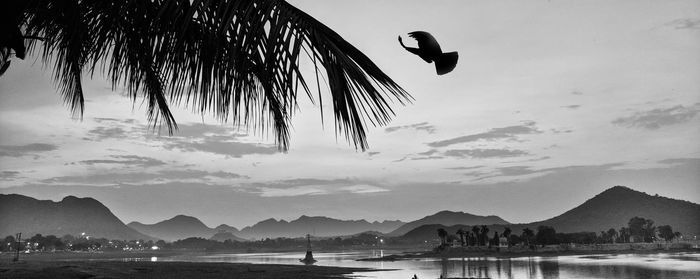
(624, 235)
(666, 232)
(461, 234)
(442, 234)
(506, 233)
(484, 235)
(8, 243)
(527, 235)
(636, 228)
(477, 235)
(649, 231)
(495, 240)
(612, 233)
(677, 236)
(546, 235)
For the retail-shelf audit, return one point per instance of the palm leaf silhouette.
(238, 60)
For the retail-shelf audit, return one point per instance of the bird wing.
(426, 42)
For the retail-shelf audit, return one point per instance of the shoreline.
(101, 268)
(458, 253)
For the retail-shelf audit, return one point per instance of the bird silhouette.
(429, 50)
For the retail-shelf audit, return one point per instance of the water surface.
(663, 265)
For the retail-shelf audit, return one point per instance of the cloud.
(126, 177)
(131, 160)
(572, 106)
(228, 148)
(484, 153)
(685, 23)
(8, 175)
(465, 168)
(424, 126)
(23, 150)
(215, 139)
(363, 189)
(508, 133)
(680, 161)
(656, 118)
(292, 191)
(312, 186)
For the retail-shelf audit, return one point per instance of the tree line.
(638, 230)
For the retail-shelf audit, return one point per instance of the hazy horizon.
(551, 103)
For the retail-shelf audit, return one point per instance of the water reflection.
(668, 266)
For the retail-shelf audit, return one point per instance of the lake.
(662, 265)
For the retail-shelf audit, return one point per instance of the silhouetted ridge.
(614, 207)
(449, 218)
(71, 215)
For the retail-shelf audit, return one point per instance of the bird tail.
(446, 62)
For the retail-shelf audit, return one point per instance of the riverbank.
(83, 268)
(547, 251)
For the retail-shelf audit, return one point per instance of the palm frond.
(237, 59)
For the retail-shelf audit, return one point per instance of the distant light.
(154, 247)
(154, 259)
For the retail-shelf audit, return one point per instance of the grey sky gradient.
(565, 98)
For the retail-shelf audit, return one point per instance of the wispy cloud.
(424, 126)
(485, 153)
(312, 186)
(24, 150)
(128, 160)
(572, 106)
(8, 175)
(507, 133)
(685, 23)
(656, 118)
(143, 177)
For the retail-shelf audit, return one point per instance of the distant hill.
(71, 215)
(614, 207)
(449, 218)
(223, 236)
(178, 227)
(315, 225)
(226, 228)
(429, 232)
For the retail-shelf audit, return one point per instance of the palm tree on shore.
(461, 234)
(527, 234)
(477, 235)
(238, 60)
(484, 235)
(442, 234)
(506, 233)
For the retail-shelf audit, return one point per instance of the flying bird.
(429, 50)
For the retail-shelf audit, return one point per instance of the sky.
(552, 102)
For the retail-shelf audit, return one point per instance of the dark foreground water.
(665, 265)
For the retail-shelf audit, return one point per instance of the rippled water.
(664, 265)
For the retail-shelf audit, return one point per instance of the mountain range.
(71, 215)
(610, 209)
(315, 225)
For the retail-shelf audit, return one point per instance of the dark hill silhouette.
(178, 227)
(614, 207)
(224, 235)
(429, 232)
(315, 225)
(449, 218)
(226, 228)
(71, 215)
